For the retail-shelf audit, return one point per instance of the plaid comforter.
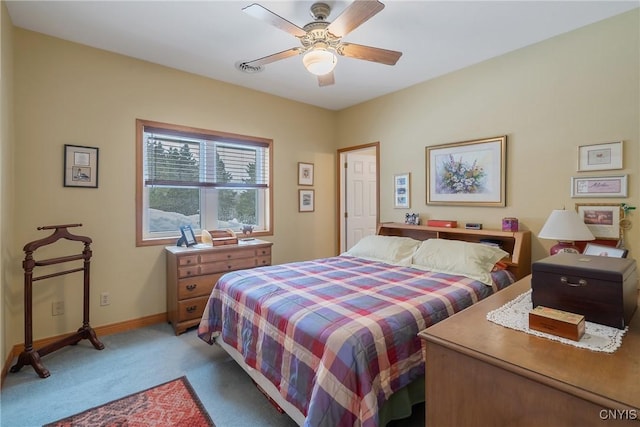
(337, 336)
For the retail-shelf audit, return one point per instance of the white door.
(360, 193)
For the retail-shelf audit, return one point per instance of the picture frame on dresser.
(188, 236)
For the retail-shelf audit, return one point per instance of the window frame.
(209, 134)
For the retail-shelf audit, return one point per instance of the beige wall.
(579, 88)
(72, 94)
(6, 173)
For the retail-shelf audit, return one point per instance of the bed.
(333, 341)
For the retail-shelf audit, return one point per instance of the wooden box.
(557, 322)
(602, 289)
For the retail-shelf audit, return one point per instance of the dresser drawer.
(227, 255)
(187, 260)
(263, 260)
(229, 265)
(197, 286)
(193, 270)
(191, 308)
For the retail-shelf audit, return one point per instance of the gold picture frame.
(468, 173)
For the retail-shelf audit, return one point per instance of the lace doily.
(515, 315)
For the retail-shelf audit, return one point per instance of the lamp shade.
(566, 227)
(319, 61)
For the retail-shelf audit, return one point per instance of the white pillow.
(390, 249)
(472, 260)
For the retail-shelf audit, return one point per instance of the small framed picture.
(598, 157)
(305, 173)
(80, 166)
(603, 219)
(188, 237)
(599, 186)
(602, 250)
(402, 191)
(306, 202)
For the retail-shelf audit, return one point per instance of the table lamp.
(566, 227)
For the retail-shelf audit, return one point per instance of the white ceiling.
(209, 37)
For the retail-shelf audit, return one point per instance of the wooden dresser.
(192, 273)
(479, 373)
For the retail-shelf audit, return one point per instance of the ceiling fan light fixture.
(319, 61)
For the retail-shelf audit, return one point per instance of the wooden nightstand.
(192, 273)
(479, 373)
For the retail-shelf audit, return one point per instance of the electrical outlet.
(105, 298)
(57, 308)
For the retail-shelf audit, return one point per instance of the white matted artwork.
(80, 166)
(599, 186)
(598, 157)
(603, 219)
(402, 190)
(306, 202)
(305, 173)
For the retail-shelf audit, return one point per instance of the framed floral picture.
(469, 173)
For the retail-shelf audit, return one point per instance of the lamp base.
(564, 248)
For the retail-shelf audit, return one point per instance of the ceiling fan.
(321, 40)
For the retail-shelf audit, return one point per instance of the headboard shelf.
(517, 243)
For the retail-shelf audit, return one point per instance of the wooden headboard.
(517, 243)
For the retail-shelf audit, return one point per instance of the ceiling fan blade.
(353, 16)
(326, 80)
(275, 57)
(368, 53)
(265, 14)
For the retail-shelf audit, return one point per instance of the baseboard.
(100, 331)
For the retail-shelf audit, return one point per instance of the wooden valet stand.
(30, 356)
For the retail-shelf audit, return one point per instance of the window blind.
(184, 160)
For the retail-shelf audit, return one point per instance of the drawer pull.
(566, 281)
(191, 308)
(188, 261)
(191, 287)
(228, 256)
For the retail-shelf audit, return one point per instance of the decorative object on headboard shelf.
(566, 227)
(510, 224)
(412, 218)
(442, 223)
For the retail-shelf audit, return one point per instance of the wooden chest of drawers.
(192, 273)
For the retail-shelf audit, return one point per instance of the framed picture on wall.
(603, 219)
(80, 166)
(402, 191)
(305, 173)
(599, 186)
(598, 157)
(469, 173)
(306, 202)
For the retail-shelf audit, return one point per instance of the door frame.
(341, 158)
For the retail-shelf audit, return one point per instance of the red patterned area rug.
(173, 403)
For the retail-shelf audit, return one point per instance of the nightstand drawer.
(197, 286)
(191, 308)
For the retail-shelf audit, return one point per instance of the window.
(205, 179)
